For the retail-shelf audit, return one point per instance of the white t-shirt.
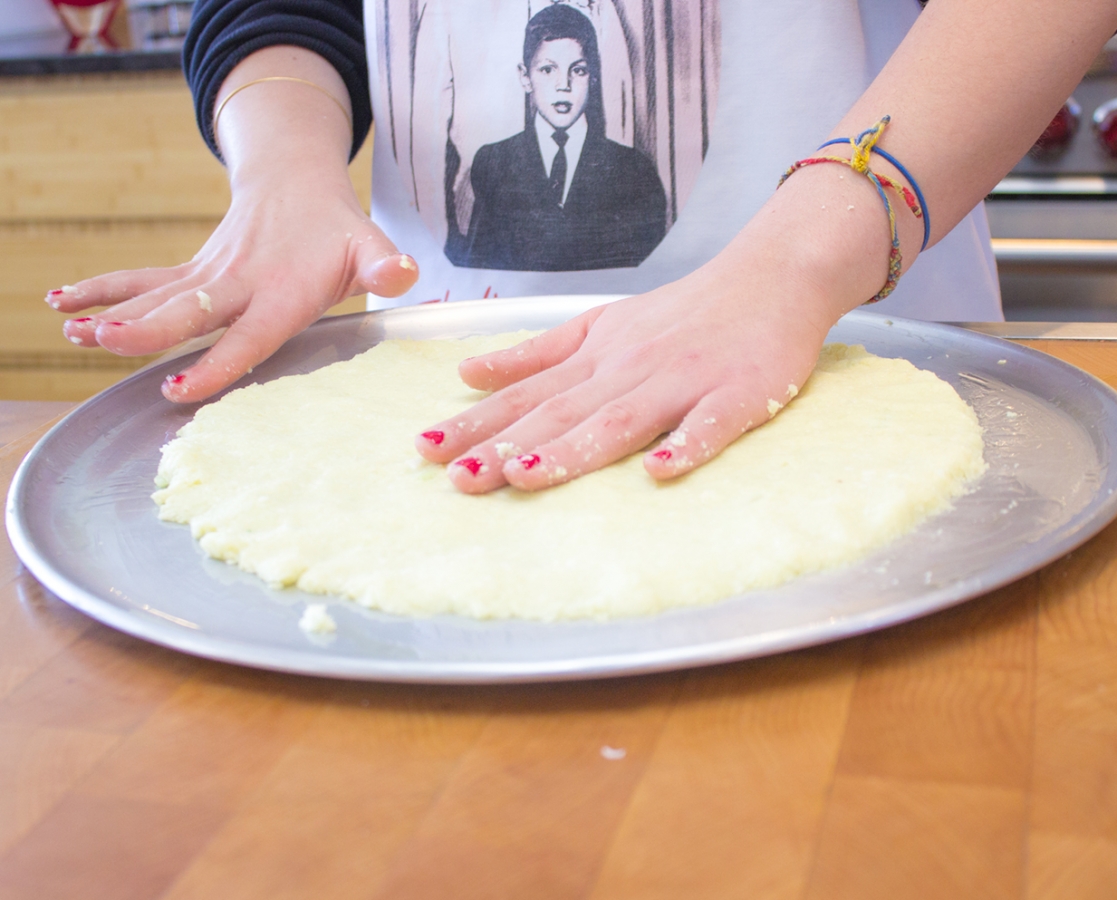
(694, 110)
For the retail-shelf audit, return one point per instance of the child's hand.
(610, 381)
(701, 360)
(273, 266)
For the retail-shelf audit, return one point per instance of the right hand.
(282, 256)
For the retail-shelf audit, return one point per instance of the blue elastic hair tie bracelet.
(914, 185)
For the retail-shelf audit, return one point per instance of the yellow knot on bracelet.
(863, 146)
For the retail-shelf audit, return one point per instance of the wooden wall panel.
(105, 148)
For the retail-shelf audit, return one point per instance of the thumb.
(381, 269)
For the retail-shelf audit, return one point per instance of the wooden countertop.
(972, 753)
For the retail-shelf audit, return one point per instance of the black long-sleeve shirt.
(223, 32)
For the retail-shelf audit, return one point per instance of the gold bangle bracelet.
(248, 84)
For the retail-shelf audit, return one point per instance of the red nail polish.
(472, 463)
(114, 323)
(662, 454)
(528, 460)
(175, 379)
(435, 437)
(83, 319)
(57, 292)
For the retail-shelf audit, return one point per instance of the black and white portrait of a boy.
(560, 196)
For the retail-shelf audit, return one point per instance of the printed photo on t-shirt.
(548, 135)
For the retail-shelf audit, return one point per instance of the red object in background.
(1105, 127)
(1057, 136)
(88, 22)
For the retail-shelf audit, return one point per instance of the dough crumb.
(506, 450)
(613, 753)
(74, 339)
(205, 301)
(678, 439)
(774, 407)
(406, 262)
(792, 391)
(710, 421)
(315, 620)
(69, 289)
(1002, 362)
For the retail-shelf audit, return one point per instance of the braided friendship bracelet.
(248, 84)
(907, 175)
(863, 146)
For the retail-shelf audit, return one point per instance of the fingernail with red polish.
(528, 460)
(116, 323)
(475, 466)
(435, 437)
(175, 379)
(83, 319)
(662, 454)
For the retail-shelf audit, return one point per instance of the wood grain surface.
(970, 754)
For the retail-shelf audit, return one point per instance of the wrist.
(283, 104)
(828, 228)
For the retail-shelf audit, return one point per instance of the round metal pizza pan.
(80, 516)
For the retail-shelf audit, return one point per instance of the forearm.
(969, 90)
(972, 86)
(223, 33)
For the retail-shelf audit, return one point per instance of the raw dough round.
(313, 481)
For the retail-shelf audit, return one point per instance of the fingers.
(83, 331)
(380, 268)
(249, 341)
(493, 371)
(113, 288)
(186, 315)
(715, 422)
(491, 416)
(604, 420)
(573, 433)
(614, 431)
(388, 276)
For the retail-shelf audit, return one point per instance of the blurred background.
(101, 168)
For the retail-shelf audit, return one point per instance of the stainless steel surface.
(1056, 252)
(80, 516)
(1085, 156)
(1068, 196)
(1065, 186)
(1045, 331)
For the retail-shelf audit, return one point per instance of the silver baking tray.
(80, 516)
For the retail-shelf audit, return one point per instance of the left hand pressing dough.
(313, 481)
